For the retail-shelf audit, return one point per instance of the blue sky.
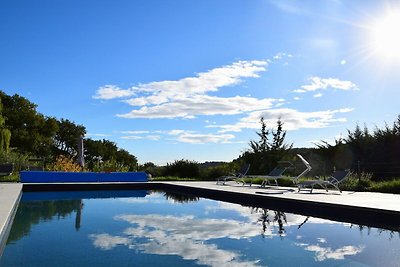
(171, 80)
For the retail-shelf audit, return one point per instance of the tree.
(67, 136)
(265, 153)
(278, 147)
(262, 145)
(31, 131)
(124, 157)
(101, 151)
(5, 134)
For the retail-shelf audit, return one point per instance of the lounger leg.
(337, 188)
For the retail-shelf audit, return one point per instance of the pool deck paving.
(10, 194)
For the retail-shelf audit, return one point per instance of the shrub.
(64, 163)
(212, 173)
(392, 186)
(182, 168)
(358, 182)
(19, 160)
(151, 168)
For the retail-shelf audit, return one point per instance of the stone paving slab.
(10, 194)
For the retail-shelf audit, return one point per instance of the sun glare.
(386, 36)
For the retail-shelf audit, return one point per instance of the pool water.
(166, 229)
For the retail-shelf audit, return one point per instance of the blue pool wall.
(85, 177)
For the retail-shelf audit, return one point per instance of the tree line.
(374, 153)
(26, 133)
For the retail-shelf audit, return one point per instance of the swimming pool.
(157, 228)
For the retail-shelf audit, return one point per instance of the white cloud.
(156, 93)
(184, 236)
(137, 137)
(106, 242)
(96, 135)
(107, 92)
(293, 119)
(324, 253)
(205, 138)
(188, 97)
(193, 238)
(318, 83)
(343, 62)
(189, 107)
(282, 55)
(182, 136)
(317, 95)
(135, 132)
(183, 227)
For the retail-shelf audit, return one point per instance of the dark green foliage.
(37, 211)
(5, 134)
(392, 186)
(38, 136)
(182, 168)
(99, 151)
(67, 137)
(31, 131)
(214, 172)
(265, 153)
(180, 197)
(125, 158)
(151, 168)
(377, 153)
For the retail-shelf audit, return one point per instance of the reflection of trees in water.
(303, 223)
(363, 228)
(268, 217)
(266, 220)
(33, 212)
(178, 197)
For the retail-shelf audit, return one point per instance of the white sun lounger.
(334, 180)
(237, 177)
(277, 173)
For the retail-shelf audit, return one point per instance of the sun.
(386, 36)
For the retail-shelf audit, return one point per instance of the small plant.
(392, 186)
(66, 164)
(358, 182)
(109, 166)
